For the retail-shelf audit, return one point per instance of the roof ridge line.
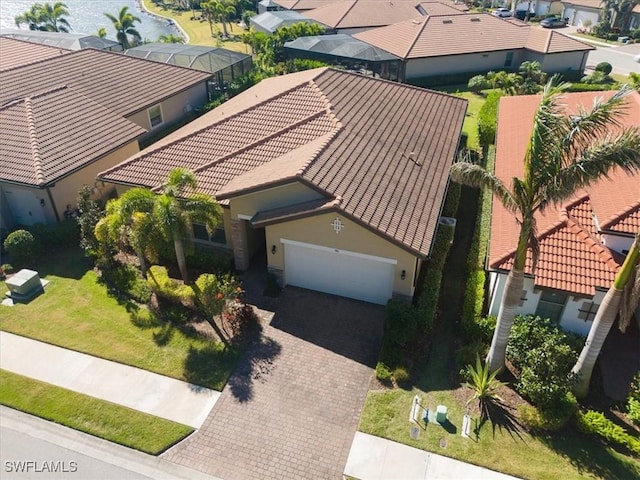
(33, 140)
(629, 208)
(42, 60)
(547, 44)
(260, 141)
(424, 20)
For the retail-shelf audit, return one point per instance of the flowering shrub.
(214, 293)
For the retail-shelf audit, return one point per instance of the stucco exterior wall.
(318, 230)
(246, 206)
(619, 243)
(559, 62)
(476, 62)
(173, 108)
(579, 15)
(26, 205)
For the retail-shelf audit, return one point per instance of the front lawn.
(470, 125)
(77, 312)
(100, 418)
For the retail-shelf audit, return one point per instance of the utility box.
(24, 284)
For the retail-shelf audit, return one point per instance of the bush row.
(488, 119)
(24, 245)
(595, 423)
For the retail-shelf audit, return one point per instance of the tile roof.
(597, 4)
(568, 233)
(15, 53)
(365, 13)
(300, 5)
(382, 148)
(38, 143)
(474, 32)
(123, 84)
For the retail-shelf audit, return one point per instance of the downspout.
(53, 204)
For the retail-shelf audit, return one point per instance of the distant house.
(68, 41)
(337, 179)
(270, 21)
(582, 242)
(70, 115)
(439, 45)
(580, 11)
(302, 5)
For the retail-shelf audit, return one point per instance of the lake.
(87, 16)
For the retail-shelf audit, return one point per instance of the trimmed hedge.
(168, 288)
(595, 423)
(590, 87)
(488, 119)
(548, 420)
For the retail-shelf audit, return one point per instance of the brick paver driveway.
(292, 407)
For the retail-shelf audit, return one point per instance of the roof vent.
(412, 156)
(450, 221)
(475, 19)
(447, 21)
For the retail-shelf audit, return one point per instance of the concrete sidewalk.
(129, 386)
(375, 458)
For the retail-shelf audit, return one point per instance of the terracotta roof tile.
(15, 53)
(301, 5)
(105, 77)
(348, 135)
(569, 231)
(365, 13)
(474, 32)
(43, 146)
(276, 215)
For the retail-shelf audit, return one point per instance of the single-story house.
(482, 43)
(45, 158)
(540, 7)
(268, 6)
(353, 16)
(301, 5)
(270, 21)
(338, 178)
(67, 41)
(15, 53)
(582, 242)
(580, 11)
(225, 65)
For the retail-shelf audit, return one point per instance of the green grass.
(102, 419)
(563, 456)
(470, 125)
(77, 312)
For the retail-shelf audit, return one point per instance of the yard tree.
(564, 154)
(124, 25)
(621, 299)
(46, 17)
(224, 10)
(178, 207)
(129, 220)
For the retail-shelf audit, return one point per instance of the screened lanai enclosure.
(225, 65)
(69, 41)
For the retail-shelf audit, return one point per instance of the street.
(620, 58)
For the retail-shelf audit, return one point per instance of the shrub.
(7, 268)
(488, 119)
(597, 78)
(210, 261)
(401, 375)
(125, 280)
(215, 292)
(383, 373)
(478, 83)
(595, 423)
(548, 420)
(242, 319)
(21, 245)
(51, 237)
(604, 67)
(633, 402)
(89, 213)
(484, 385)
(168, 288)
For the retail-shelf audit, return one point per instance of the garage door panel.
(340, 273)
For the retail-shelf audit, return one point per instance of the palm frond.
(475, 176)
(631, 294)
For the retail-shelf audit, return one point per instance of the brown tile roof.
(288, 213)
(38, 143)
(352, 136)
(443, 7)
(473, 32)
(365, 13)
(596, 4)
(123, 84)
(15, 53)
(567, 232)
(301, 5)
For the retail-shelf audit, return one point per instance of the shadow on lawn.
(65, 263)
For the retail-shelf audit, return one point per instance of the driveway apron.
(292, 407)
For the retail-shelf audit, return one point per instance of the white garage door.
(339, 272)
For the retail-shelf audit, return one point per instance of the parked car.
(637, 58)
(553, 22)
(501, 12)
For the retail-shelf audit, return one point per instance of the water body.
(87, 16)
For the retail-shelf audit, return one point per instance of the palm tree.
(32, 18)
(178, 207)
(124, 24)
(224, 9)
(53, 17)
(564, 154)
(622, 299)
(129, 220)
(209, 12)
(102, 32)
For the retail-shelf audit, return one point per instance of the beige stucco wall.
(270, 198)
(174, 108)
(559, 62)
(65, 191)
(353, 237)
(476, 62)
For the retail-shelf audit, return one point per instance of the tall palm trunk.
(606, 315)
(510, 303)
(143, 263)
(182, 262)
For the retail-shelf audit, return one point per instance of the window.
(509, 60)
(551, 305)
(587, 311)
(155, 116)
(200, 233)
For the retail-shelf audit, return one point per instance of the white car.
(637, 58)
(502, 12)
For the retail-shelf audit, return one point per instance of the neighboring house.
(68, 41)
(225, 65)
(302, 5)
(482, 43)
(268, 6)
(540, 7)
(338, 178)
(353, 16)
(65, 118)
(582, 242)
(270, 21)
(15, 53)
(580, 11)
